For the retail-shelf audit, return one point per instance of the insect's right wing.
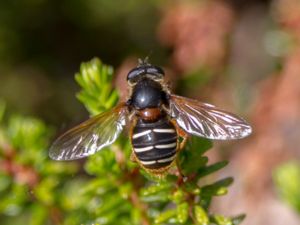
(206, 120)
(90, 136)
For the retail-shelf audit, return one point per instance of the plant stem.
(132, 177)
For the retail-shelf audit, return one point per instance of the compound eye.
(134, 75)
(156, 73)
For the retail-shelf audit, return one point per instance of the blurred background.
(243, 56)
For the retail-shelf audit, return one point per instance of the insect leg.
(182, 134)
(131, 115)
(181, 145)
(184, 137)
(133, 157)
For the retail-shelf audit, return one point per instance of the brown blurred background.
(243, 56)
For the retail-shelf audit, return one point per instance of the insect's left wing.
(206, 120)
(90, 136)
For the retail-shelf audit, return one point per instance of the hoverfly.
(157, 120)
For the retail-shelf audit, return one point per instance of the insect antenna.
(145, 61)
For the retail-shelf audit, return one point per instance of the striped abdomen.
(155, 143)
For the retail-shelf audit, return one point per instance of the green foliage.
(31, 185)
(287, 180)
(112, 190)
(97, 93)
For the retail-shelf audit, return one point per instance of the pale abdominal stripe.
(144, 149)
(170, 159)
(164, 130)
(171, 145)
(149, 148)
(141, 134)
(135, 136)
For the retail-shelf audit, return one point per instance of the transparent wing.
(206, 120)
(90, 136)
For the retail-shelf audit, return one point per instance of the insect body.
(156, 119)
(155, 143)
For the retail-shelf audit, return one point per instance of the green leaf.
(238, 219)
(193, 152)
(165, 216)
(125, 190)
(192, 187)
(155, 188)
(200, 215)
(178, 196)
(182, 212)
(211, 169)
(217, 188)
(189, 166)
(287, 180)
(221, 220)
(199, 145)
(156, 198)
